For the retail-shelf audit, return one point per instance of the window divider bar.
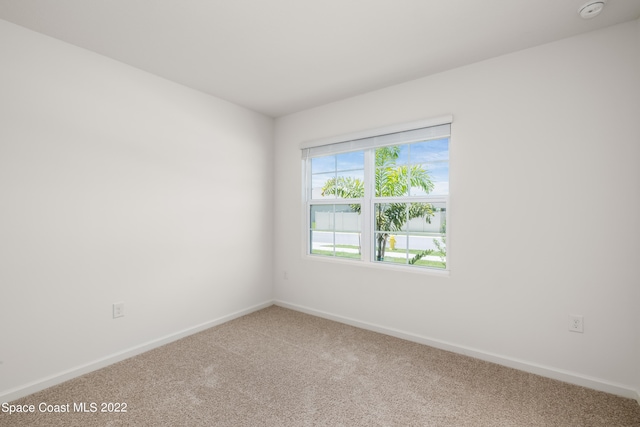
(335, 201)
(367, 207)
(411, 199)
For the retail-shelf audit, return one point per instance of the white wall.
(116, 185)
(549, 137)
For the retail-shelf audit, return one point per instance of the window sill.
(402, 269)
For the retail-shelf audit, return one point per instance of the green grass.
(348, 246)
(338, 254)
(396, 251)
(403, 261)
(422, 262)
(414, 252)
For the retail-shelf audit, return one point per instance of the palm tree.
(391, 181)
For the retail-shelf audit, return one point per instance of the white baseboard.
(569, 377)
(522, 365)
(33, 387)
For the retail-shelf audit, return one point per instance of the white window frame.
(349, 142)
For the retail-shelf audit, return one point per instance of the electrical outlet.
(118, 309)
(576, 323)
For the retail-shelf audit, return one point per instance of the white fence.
(340, 221)
(350, 221)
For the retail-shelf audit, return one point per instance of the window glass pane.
(421, 180)
(338, 176)
(426, 237)
(323, 164)
(321, 243)
(393, 181)
(348, 185)
(423, 251)
(419, 241)
(438, 218)
(347, 218)
(391, 156)
(390, 216)
(439, 173)
(430, 163)
(390, 248)
(352, 176)
(419, 216)
(318, 184)
(403, 155)
(322, 224)
(348, 245)
(322, 217)
(350, 161)
(336, 230)
(430, 151)
(426, 173)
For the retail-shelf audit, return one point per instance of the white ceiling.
(283, 56)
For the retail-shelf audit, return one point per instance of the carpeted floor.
(278, 367)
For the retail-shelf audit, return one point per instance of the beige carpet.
(278, 367)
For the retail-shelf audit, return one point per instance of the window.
(380, 196)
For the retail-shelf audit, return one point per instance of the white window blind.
(393, 135)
